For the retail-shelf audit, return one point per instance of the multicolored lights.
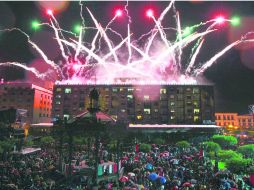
(235, 20)
(99, 56)
(77, 28)
(220, 19)
(149, 13)
(49, 12)
(35, 25)
(119, 13)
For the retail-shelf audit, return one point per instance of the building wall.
(24, 96)
(169, 104)
(233, 120)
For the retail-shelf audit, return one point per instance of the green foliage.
(183, 144)
(224, 141)
(112, 146)
(79, 140)
(7, 145)
(224, 155)
(28, 143)
(45, 141)
(212, 146)
(221, 165)
(158, 141)
(247, 150)
(144, 147)
(238, 165)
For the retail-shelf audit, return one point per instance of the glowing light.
(220, 19)
(149, 13)
(49, 12)
(187, 31)
(35, 24)
(77, 28)
(119, 13)
(235, 21)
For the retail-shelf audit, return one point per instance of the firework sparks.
(160, 58)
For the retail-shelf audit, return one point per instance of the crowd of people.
(28, 172)
(171, 168)
(164, 167)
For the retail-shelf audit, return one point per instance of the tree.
(212, 146)
(225, 155)
(183, 144)
(247, 150)
(28, 143)
(224, 141)
(144, 147)
(48, 140)
(238, 165)
(158, 141)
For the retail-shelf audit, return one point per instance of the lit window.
(172, 111)
(196, 111)
(58, 96)
(156, 110)
(195, 104)
(172, 117)
(66, 116)
(129, 97)
(121, 89)
(59, 89)
(195, 90)
(172, 103)
(58, 102)
(139, 117)
(163, 91)
(146, 97)
(123, 110)
(114, 89)
(67, 90)
(147, 111)
(196, 118)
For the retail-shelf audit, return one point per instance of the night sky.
(233, 74)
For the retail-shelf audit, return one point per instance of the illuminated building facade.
(235, 121)
(153, 104)
(21, 95)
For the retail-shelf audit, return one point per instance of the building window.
(156, 110)
(123, 110)
(172, 111)
(163, 91)
(172, 103)
(147, 111)
(196, 118)
(129, 97)
(172, 117)
(58, 89)
(139, 117)
(196, 111)
(130, 89)
(67, 90)
(66, 116)
(58, 96)
(195, 90)
(146, 97)
(114, 89)
(172, 96)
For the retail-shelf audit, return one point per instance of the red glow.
(49, 12)
(119, 13)
(149, 13)
(220, 19)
